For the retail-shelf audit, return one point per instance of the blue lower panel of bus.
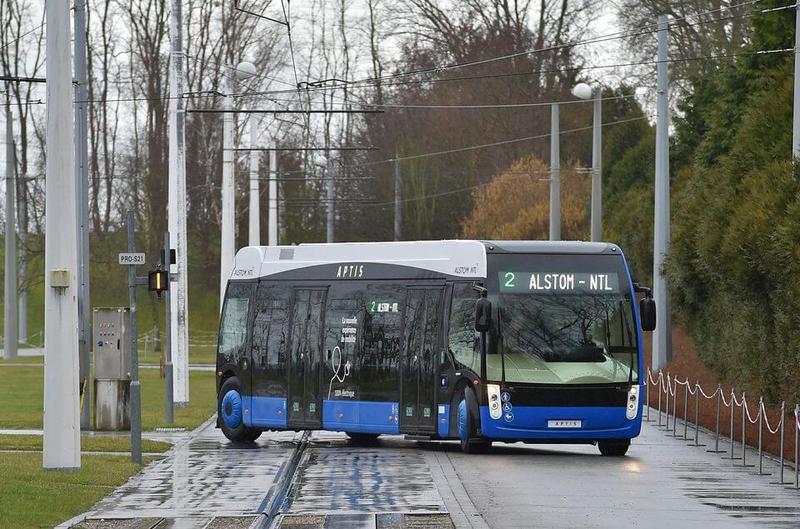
(264, 412)
(360, 416)
(553, 423)
(443, 421)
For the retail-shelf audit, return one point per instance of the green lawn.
(32, 497)
(23, 360)
(89, 443)
(22, 396)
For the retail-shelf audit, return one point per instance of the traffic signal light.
(158, 281)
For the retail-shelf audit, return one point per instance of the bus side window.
(462, 341)
(270, 338)
(233, 331)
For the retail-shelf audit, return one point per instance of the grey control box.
(111, 333)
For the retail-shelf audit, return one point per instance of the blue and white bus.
(479, 341)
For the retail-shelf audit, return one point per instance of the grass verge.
(89, 443)
(32, 497)
(22, 397)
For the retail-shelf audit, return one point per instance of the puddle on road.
(718, 487)
(362, 480)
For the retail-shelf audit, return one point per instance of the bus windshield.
(563, 320)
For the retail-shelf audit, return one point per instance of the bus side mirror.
(483, 315)
(647, 313)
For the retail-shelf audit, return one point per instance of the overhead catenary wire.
(591, 40)
(214, 93)
(286, 11)
(533, 72)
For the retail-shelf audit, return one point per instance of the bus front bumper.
(553, 424)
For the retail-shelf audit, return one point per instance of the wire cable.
(291, 44)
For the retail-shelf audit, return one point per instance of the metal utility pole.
(10, 339)
(597, 166)
(662, 337)
(398, 211)
(796, 108)
(61, 413)
(555, 176)
(169, 395)
(82, 191)
(228, 213)
(330, 193)
(254, 238)
(136, 388)
(176, 207)
(273, 199)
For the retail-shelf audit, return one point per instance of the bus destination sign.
(555, 282)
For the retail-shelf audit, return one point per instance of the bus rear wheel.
(229, 408)
(615, 448)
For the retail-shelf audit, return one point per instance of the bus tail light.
(495, 408)
(633, 402)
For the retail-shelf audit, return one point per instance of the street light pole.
(10, 314)
(61, 448)
(330, 193)
(243, 70)
(597, 166)
(255, 217)
(584, 91)
(662, 336)
(555, 176)
(273, 199)
(82, 190)
(178, 333)
(228, 213)
(796, 103)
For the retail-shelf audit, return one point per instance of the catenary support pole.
(254, 232)
(597, 166)
(273, 199)
(662, 336)
(136, 389)
(228, 214)
(179, 297)
(398, 210)
(796, 107)
(82, 190)
(10, 339)
(169, 390)
(61, 407)
(330, 193)
(555, 175)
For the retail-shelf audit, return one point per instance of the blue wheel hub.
(231, 408)
(462, 419)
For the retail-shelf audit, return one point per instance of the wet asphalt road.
(209, 482)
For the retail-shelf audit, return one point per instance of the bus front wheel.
(229, 408)
(467, 427)
(615, 448)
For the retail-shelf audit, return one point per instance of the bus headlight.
(495, 408)
(632, 408)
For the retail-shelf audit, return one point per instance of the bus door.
(423, 322)
(305, 353)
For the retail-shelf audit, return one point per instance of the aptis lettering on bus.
(349, 271)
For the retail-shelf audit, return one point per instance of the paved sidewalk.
(203, 477)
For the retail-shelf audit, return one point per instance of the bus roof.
(453, 258)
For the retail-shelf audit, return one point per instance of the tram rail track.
(270, 508)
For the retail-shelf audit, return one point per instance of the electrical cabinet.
(111, 329)
(111, 345)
